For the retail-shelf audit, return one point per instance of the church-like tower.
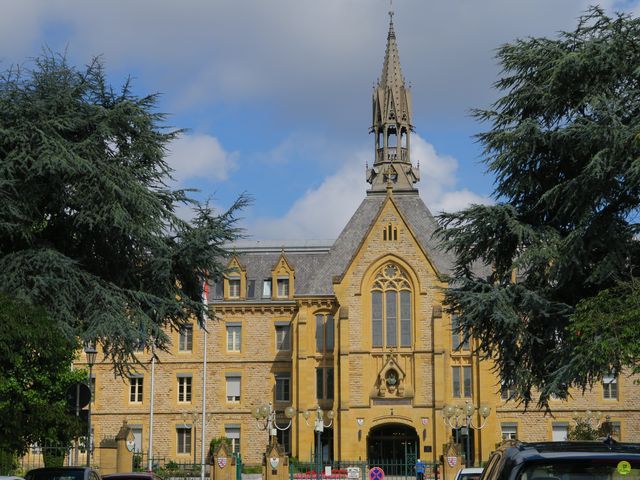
(392, 126)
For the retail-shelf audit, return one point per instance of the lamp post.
(462, 417)
(91, 353)
(195, 416)
(318, 426)
(265, 415)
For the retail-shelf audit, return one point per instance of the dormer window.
(266, 288)
(283, 287)
(234, 288)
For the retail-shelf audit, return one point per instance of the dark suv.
(606, 460)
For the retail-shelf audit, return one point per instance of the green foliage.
(36, 373)
(88, 227)
(584, 430)
(251, 469)
(564, 148)
(215, 443)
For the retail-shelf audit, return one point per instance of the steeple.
(392, 126)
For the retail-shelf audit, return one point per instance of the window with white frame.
(283, 287)
(324, 333)
(135, 389)
(234, 338)
(506, 392)
(509, 431)
(458, 341)
(559, 431)
(462, 381)
(391, 308)
(610, 387)
(233, 387)
(232, 433)
(283, 337)
(266, 288)
(137, 437)
(183, 444)
(184, 388)
(324, 383)
(283, 387)
(234, 288)
(185, 342)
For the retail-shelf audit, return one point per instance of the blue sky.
(276, 94)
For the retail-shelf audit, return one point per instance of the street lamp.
(91, 353)
(458, 417)
(318, 426)
(195, 416)
(593, 419)
(265, 415)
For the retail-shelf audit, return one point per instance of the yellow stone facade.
(376, 384)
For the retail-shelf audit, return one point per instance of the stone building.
(356, 327)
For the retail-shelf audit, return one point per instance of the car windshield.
(583, 469)
(469, 476)
(55, 475)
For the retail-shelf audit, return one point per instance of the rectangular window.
(376, 319)
(284, 439)
(266, 289)
(324, 333)
(137, 437)
(283, 338)
(468, 384)
(184, 439)
(233, 388)
(509, 431)
(456, 336)
(455, 375)
(234, 338)
(233, 435)
(184, 388)
(506, 392)
(324, 383)
(185, 343)
(615, 429)
(135, 389)
(234, 288)
(559, 432)
(283, 387)
(462, 382)
(251, 288)
(610, 387)
(392, 318)
(405, 318)
(283, 287)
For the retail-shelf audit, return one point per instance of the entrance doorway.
(394, 446)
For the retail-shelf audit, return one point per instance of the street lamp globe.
(289, 412)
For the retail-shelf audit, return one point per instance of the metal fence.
(359, 470)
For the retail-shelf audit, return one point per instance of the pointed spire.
(391, 71)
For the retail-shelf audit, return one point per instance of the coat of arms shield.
(222, 462)
(274, 461)
(452, 461)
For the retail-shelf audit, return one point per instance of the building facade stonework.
(357, 327)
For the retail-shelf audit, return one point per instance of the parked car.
(564, 461)
(132, 476)
(469, 474)
(10, 477)
(62, 473)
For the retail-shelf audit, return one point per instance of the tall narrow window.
(232, 432)
(283, 387)
(324, 383)
(283, 338)
(266, 289)
(185, 343)
(234, 338)
(324, 333)
(283, 287)
(391, 308)
(234, 288)
(233, 388)
(457, 337)
(184, 439)
(610, 387)
(184, 388)
(135, 389)
(462, 382)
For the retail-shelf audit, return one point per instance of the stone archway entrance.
(394, 445)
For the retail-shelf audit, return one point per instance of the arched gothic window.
(391, 308)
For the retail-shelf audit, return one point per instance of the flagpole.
(204, 378)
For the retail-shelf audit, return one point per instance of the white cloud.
(323, 212)
(200, 156)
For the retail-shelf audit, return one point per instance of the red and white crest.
(222, 462)
(452, 461)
